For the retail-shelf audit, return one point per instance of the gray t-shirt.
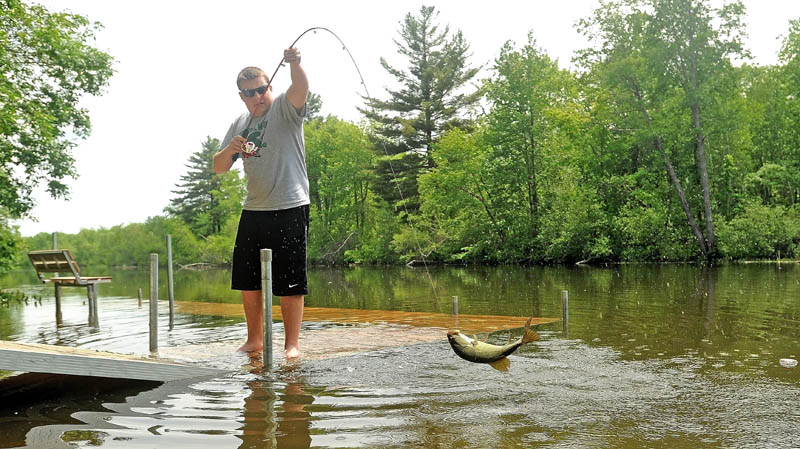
(276, 172)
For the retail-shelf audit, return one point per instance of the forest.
(664, 144)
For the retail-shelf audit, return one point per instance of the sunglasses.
(250, 92)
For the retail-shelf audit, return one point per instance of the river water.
(662, 356)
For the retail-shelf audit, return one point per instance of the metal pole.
(170, 282)
(565, 310)
(455, 305)
(266, 299)
(153, 302)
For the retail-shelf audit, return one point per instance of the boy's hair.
(249, 73)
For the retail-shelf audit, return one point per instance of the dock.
(362, 331)
(39, 358)
(466, 323)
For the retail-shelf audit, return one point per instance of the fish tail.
(529, 335)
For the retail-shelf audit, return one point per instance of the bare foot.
(292, 353)
(251, 347)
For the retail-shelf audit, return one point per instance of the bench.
(59, 261)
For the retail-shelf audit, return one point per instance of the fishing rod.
(383, 144)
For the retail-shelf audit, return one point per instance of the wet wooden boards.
(467, 323)
(37, 358)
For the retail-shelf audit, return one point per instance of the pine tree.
(429, 102)
(195, 203)
(313, 106)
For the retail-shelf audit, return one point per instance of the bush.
(760, 232)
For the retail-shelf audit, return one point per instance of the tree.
(493, 189)
(47, 64)
(313, 106)
(667, 67)
(9, 240)
(429, 102)
(339, 171)
(530, 98)
(204, 199)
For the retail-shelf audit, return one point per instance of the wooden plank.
(464, 322)
(80, 282)
(37, 358)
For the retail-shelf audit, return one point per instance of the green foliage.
(313, 106)
(340, 164)
(9, 242)
(205, 199)
(430, 101)
(762, 232)
(48, 65)
(376, 243)
(774, 184)
(658, 149)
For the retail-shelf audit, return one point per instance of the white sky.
(176, 63)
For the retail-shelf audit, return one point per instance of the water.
(655, 356)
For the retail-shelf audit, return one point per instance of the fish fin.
(501, 365)
(529, 335)
(485, 338)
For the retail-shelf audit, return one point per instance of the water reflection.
(274, 413)
(657, 356)
(30, 401)
(275, 417)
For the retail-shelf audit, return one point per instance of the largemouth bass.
(472, 350)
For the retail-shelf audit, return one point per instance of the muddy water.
(654, 356)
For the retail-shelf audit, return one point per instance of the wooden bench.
(59, 261)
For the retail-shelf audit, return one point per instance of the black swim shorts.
(285, 232)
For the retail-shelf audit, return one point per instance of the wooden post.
(91, 303)
(59, 316)
(140, 298)
(455, 305)
(55, 246)
(266, 299)
(95, 304)
(565, 311)
(170, 282)
(153, 302)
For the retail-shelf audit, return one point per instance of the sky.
(176, 63)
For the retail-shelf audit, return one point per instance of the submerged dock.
(465, 322)
(363, 331)
(38, 358)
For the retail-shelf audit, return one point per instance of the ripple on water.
(410, 389)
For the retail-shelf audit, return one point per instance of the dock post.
(266, 299)
(59, 316)
(140, 298)
(94, 318)
(170, 282)
(455, 305)
(153, 302)
(55, 240)
(565, 310)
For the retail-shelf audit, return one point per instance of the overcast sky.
(176, 63)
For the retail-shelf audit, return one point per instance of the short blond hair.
(249, 73)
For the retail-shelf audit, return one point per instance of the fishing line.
(385, 151)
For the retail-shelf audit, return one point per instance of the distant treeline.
(662, 145)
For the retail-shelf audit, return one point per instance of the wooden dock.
(38, 358)
(371, 330)
(466, 323)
